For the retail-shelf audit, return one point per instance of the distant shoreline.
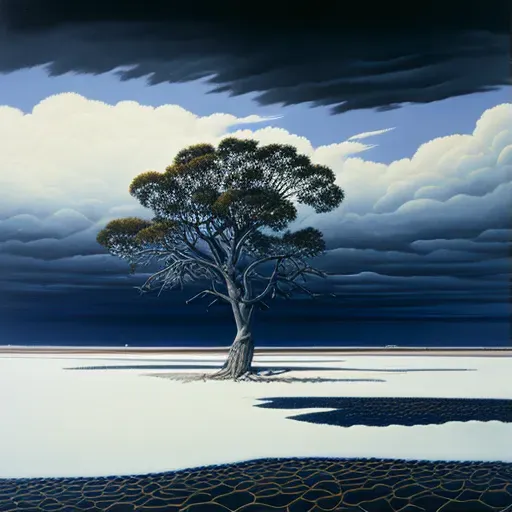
(375, 351)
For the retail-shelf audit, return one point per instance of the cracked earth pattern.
(287, 485)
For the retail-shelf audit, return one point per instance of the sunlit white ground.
(56, 422)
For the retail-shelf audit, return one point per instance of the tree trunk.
(239, 360)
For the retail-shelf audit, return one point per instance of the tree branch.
(219, 253)
(277, 277)
(240, 244)
(254, 264)
(302, 288)
(268, 288)
(214, 301)
(147, 284)
(217, 294)
(201, 257)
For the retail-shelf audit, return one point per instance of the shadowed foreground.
(294, 485)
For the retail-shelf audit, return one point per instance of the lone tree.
(219, 218)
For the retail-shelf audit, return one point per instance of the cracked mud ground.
(291, 485)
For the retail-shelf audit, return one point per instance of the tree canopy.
(220, 210)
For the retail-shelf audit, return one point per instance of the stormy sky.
(334, 55)
(414, 118)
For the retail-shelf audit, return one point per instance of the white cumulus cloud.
(74, 152)
(65, 169)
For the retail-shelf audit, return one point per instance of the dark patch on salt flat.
(385, 411)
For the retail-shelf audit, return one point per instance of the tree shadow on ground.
(261, 370)
(385, 411)
(201, 360)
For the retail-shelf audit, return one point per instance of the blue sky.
(415, 124)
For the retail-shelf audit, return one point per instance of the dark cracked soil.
(288, 485)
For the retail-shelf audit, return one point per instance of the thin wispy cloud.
(257, 119)
(365, 135)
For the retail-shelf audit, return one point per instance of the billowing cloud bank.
(438, 223)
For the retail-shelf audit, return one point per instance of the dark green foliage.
(306, 242)
(186, 155)
(239, 183)
(214, 211)
(119, 236)
(156, 233)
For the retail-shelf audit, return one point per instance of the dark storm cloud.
(461, 216)
(27, 228)
(82, 243)
(348, 57)
(394, 263)
(425, 233)
(98, 271)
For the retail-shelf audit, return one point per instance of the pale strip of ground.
(58, 422)
(272, 351)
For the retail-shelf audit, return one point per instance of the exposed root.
(253, 374)
(221, 375)
(251, 377)
(226, 374)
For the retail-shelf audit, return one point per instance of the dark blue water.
(212, 333)
(113, 318)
